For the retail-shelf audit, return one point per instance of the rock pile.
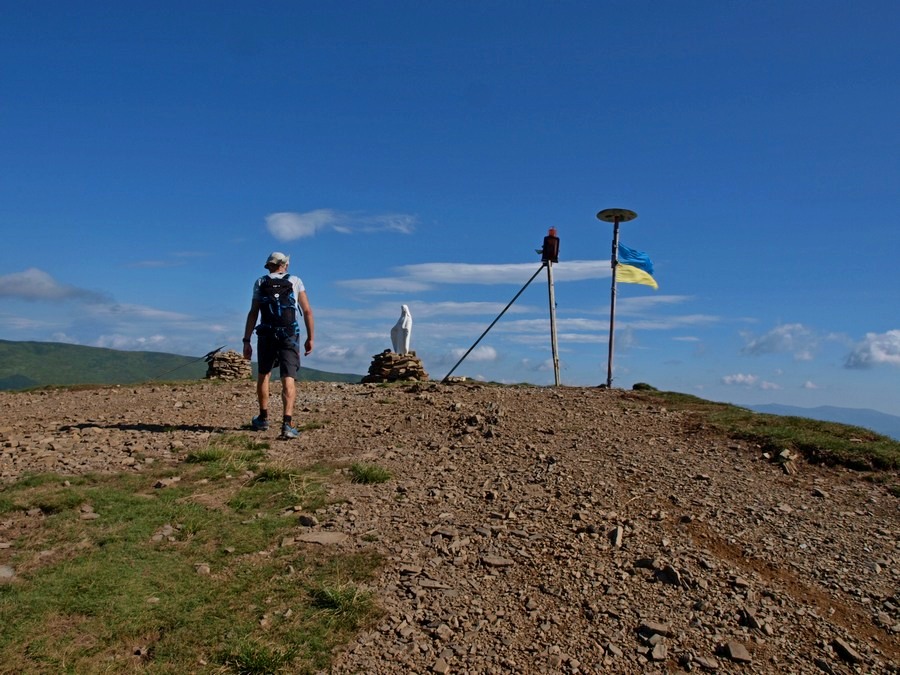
(227, 366)
(389, 366)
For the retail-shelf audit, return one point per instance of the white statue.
(401, 331)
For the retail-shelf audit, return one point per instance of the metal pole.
(613, 261)
(614, 216)
(522, 290)
(553, 344)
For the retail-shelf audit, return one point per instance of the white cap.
(277, 259)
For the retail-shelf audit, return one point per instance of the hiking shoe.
(259, 425)
(287, 432)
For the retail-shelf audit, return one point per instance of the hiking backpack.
(277, 303)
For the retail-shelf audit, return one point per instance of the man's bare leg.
(288, 395)
(262, 391)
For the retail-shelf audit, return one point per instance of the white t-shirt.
(295, 280)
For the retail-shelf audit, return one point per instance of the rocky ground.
(541, 530)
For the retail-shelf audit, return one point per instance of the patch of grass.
(345, 604)
(308, 490)
(826, 442)
(252, 657)
(7, 504)
(229, 455)
(87, 592)
(309, 426)
(643, 386)
(368, 473)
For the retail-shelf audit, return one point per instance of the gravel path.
(542, 530)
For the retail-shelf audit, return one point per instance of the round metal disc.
(612, 215)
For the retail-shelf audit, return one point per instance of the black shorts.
(285, 351)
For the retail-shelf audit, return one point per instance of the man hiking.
(276, 297)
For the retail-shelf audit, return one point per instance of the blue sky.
(153, 155)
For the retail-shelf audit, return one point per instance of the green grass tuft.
(255, 658)
(368, 473)
(345, 604)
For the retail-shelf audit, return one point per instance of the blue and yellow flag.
(635, 267)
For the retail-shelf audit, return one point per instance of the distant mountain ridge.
(879, 422)
(24, 365)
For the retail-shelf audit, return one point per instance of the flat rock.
(322, 537)
(737, 652)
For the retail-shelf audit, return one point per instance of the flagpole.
(614, 216)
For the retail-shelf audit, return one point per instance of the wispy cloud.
(479, 354)
(670, 322)
(644, 302)
(35, 284)
(155, 264)
(13, 322)
(175, 259)
(740, 378)
(289, 225)
(809, 384)
(136, 312)
(425, 276)
(792, 338)
(876, 349)
(749, 381)
(342, 354)
(500, 273)
(465, 309)
(383, 286)
(126, 342)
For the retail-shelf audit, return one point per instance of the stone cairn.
(227, 366)
(389, 366)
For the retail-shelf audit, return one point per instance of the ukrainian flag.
(635, 267)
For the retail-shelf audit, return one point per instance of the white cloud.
(156, 264)
(62, 337)
(500, 273)
(669, 322)
(24, 323)
(339, 354)
(35, 284)
(289, 225)
(876, 349)
(482, 354)
(383, 285)
(423, 276)
(792, 338)
(686, 338)
(465, 309)
(468, 273)
(750, 381)
(740, 379)
(642, 303)
(809, 384)
(127, 342)
(126, 311)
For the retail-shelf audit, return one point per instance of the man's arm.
(308, 321)
(249, 325)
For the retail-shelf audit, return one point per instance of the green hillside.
(24, 365)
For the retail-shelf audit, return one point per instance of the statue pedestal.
(389, 366)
